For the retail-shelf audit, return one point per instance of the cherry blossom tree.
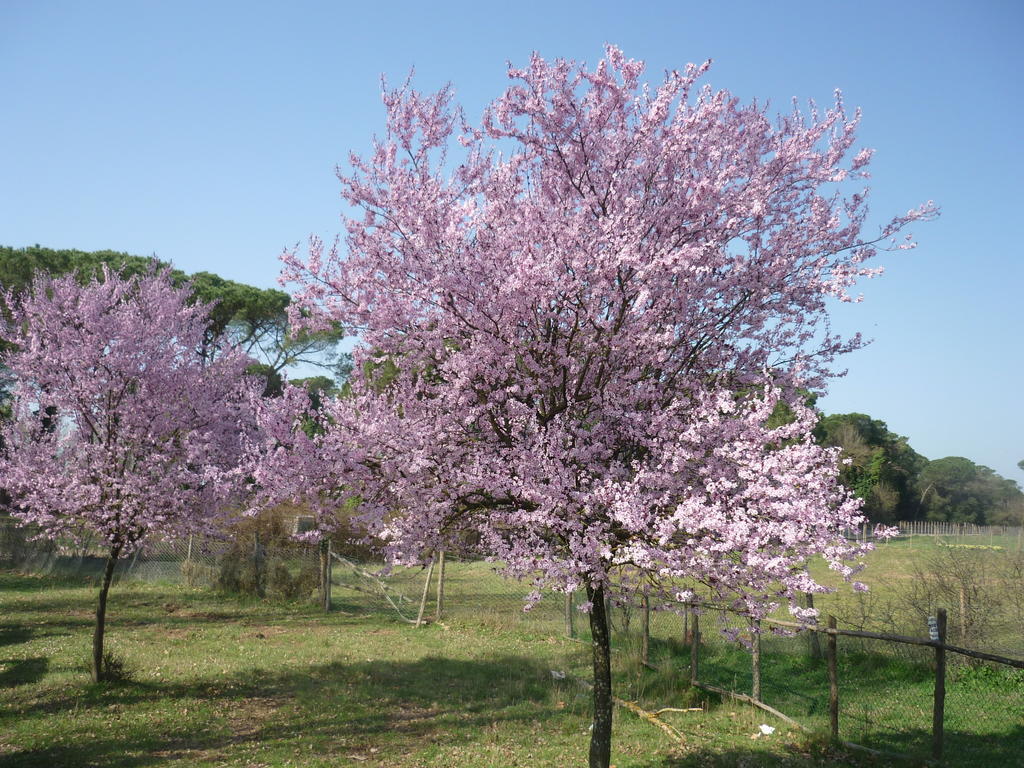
(120, 430)
(593, 302)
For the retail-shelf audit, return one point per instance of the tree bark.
(601, 735)
(98, 670)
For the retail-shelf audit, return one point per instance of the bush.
(281, 582)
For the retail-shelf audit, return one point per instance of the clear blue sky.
(207, 133)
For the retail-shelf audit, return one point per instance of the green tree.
(882, 466)
(958, 490)
(254, 319)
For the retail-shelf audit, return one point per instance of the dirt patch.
(175, 633)
(265, 633)
(247, 717)
(209, 615)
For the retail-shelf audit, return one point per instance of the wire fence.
(912, 696)
(881, 693)
(274, 569)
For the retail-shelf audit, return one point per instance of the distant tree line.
(898, 483)
(894, 480)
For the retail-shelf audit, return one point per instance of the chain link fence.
(275, 567)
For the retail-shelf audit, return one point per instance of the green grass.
(221, 681)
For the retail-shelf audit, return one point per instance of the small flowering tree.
(592, 313)
(120, 429)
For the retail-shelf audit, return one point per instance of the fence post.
(645, 626)
(939, 710)
(812, 637)
(259, 565)
(694, 642)
(440, 583)
(963, 616)
(570, 629)
(755, 659)
(325, 573)
(833, 682)
(426, 588)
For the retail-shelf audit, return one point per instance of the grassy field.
(222, 681)
(911, 577)
(218, 680)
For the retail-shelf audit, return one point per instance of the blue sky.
(207, 134)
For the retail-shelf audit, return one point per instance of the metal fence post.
(645, 626)
(570, 629)
(939, 709)
(694, 642)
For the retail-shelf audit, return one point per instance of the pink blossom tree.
(594, 307)
(120, 429)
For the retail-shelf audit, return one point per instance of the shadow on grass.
(333, 709)
(751, 758)
(962, 750)
(14, 634)
(165, 606)
(22, 671)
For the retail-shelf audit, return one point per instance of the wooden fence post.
(426, 588)
(188, 570)
(694, 642)
(440, 584)
(812, 637)
(755, 659)
(259, 565)
(939, 709)
(833, 682)
(570, 628)
(963, 616)
(645, 626)
(325, 573)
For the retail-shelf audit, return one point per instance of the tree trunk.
(601, 735)
(98, 671)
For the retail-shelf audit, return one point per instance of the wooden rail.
(891, 638)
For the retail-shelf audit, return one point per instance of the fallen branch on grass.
(761, 705)
(751, 700)
(677, 709)
(651, 717)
